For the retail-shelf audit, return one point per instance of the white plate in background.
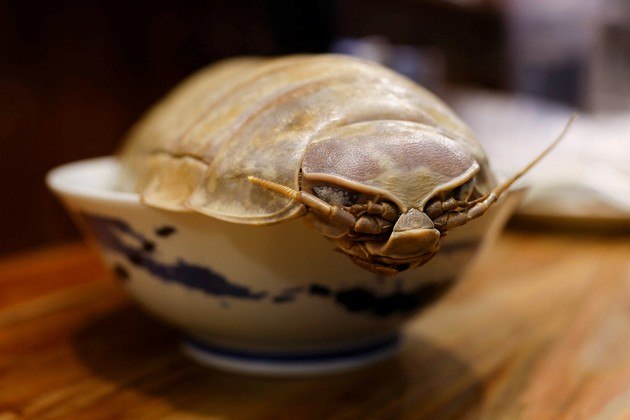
(584, 181)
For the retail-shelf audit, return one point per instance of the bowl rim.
(70, 180)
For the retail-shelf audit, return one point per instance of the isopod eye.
(335, 195)
(465, 191)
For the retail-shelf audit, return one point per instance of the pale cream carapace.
(384, 166)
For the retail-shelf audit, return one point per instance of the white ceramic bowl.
(274, 299)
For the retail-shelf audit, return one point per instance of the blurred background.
(74, 75)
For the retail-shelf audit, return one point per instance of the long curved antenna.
(482, 204)
(335, 214)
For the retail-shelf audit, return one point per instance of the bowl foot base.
(290, 363)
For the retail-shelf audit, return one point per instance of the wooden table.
(539, 329)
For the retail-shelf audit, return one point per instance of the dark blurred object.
(424, 65)
(610, 81)
(469, 34)
(549, 46)
(301, 26)
(75, 75)
(571, 51)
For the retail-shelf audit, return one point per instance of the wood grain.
(537, 330)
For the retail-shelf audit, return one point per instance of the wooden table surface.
(539, 329)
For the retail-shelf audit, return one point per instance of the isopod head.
(387, 192)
